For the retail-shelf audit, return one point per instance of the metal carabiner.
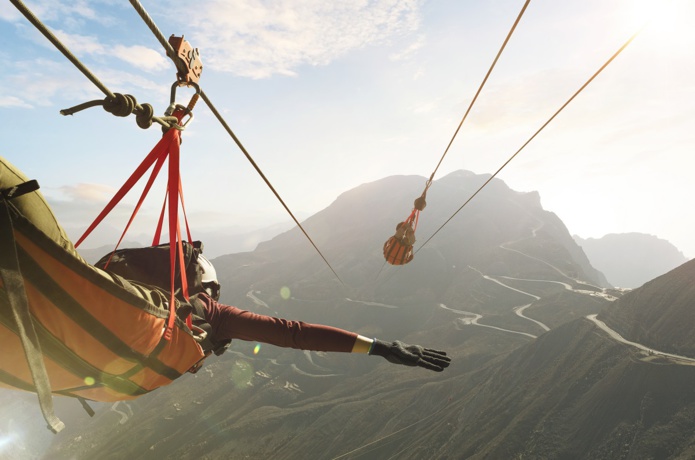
(188, 110)
(169, 114)
(194, 98)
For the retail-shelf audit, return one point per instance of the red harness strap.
(168, 146)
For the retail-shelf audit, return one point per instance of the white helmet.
(209, 273)
(209, 279)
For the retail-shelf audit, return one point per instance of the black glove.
(411, 355)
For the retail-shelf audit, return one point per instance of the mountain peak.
(630, 259)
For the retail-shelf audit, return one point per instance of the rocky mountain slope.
(660, 314)
(503, 288)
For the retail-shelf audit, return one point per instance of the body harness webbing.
(19, 304)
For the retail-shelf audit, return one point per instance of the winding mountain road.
(519, 310)
(371, 304)
(677, 359)
(252, 295)
(124, 416)
(475, 317)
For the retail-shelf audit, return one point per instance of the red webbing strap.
(183, 208)
(175, 243)
(160, 222)
(160, 149)
(184, 278)
(158, 234)
(148, 186)
(413, 219)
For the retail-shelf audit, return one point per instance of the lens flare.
(242, 374)
(285, 292)
(257, 348)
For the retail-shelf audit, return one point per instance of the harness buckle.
(199, 334)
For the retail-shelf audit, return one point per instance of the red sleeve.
(233, 323)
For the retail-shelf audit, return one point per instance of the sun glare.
(667, 24)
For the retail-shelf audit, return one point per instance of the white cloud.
(39, 81)
(410, 50)
(80, 44)
(123, 82)
(142, 57)
(94, 193)
(66, 12)
(138, 56)
(12, 101)
(9, 12)
(258, 39)
(42, 82)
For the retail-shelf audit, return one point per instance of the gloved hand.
(411, 355)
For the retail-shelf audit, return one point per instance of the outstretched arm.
(400, 353)
(232, 323)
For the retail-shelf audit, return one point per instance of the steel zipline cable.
(620, 50)
(66, 52)
(172, 54)
(475, 98)
(144, 111)
(138, 109)
(398, 249)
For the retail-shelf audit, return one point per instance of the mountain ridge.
(631, 259)
(504, 289)
(659, 314)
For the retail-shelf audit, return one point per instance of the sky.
(326, 96)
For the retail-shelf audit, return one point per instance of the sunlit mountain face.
(502, 287)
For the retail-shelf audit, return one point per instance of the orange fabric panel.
(181, 352)
(103, 394)
(13, 361)
(149, 379)
(73, 336)
(138, 328)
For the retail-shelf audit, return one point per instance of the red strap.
(183, 208)
(160, 223)
(184, 278)
(162, 146)
(153, 175)
(413, 218)
(175, 243)
(158, 231)
(167, 146)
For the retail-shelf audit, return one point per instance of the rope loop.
(120, 105)
(144, 116)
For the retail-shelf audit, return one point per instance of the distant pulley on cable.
(398, 250)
